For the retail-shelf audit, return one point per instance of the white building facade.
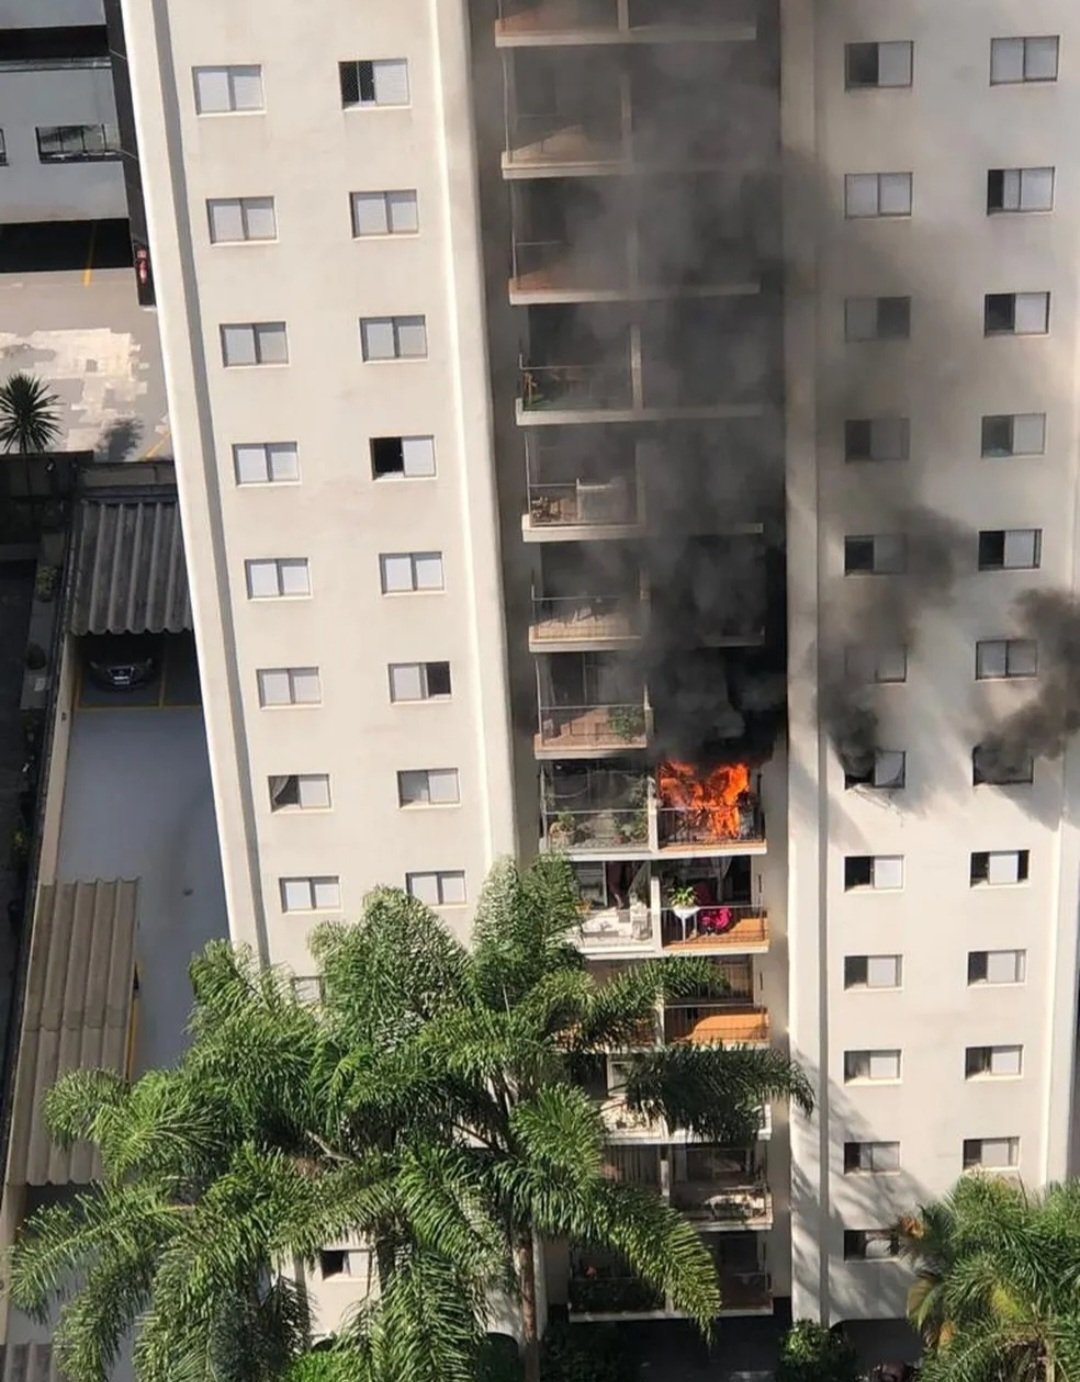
(380, 355)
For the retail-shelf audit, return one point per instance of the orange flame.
(711, 800)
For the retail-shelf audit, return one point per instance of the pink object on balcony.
(714, 921)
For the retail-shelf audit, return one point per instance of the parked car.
(122, 662)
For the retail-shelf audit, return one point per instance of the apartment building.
(493, 334)
(932, 554)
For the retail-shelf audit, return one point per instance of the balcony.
(583, 510)
(580, 623)
(595, 809)
(702, 809)
(589, 731)
(715, 1205)
(716, 928)
(611, 931)
(584, 141)
(745, 1293)
(536, 23)
(601, 1288)
(709, 1023)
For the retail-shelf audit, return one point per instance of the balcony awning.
(130, 575)
(78, 1015)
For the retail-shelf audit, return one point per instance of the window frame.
(975, 980)
(874, 432)
(385, 195)
(989, 536)
(854, 305)
(403, 448)
(997, 186)
(850, 180)
(413, 557)
(424, 677)
(293, 674)
(976, 1068)
(1014, 422)
(855, 1156)
(423, 801)
(312, 881)
(980, 875)
(973, 1160)
(852, 84)
(856, 964)
(245, 206)
(1012, 651)
(395, 321)
(1025, 39)
(864, 1056)
(231, 70)
(993, 302)
(278, 807)
(269, 449)
(280, 565)
(440, 875)
(858, 1240)
(109, 151)
(258, 330)
(361, 79)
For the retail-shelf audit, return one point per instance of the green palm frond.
(29, 415)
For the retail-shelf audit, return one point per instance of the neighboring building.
(60, 145)
(487, 368)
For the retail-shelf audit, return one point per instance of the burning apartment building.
(637, 428)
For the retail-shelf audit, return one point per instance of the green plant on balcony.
(632, 827)
(682, 896)
(563, 830)
(627, 722)
(599, 1293)
(45, 582)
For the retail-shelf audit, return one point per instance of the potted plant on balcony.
(562, 830)
(683, 901)
(627, 722)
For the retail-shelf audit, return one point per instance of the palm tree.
(428, 1105)
(515, 1029)
(997, 1291)
(29, 417)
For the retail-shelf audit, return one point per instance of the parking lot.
(174, 682)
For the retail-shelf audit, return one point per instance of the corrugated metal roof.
(130, 575)
(77, 1016)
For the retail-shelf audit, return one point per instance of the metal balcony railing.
(718, 1201)
(716, 924)
(602, 828)
(708, 1023)
(740, 823)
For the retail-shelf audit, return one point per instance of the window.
(77, 143)
(999, 866)
(997, 769)
(384, 213)
(1010, 549)
(393, 338)
(997, 966)
(3, 150)
(409, 571)
(1016, 314)
(993, 1062)
(289, 686)
(308, 988)
(877, 319)
(876, 439)
(871, 1156)
(886, 663)
(993, 1153)
(871, 1065)
(255, 343)
(877, 194)
(419, 681)
(241, 218)
(347, 1263)
(889, 770)
(1006, 657)
(428, 787)
(445, 889)
(410, 457)
(275, 578)
(1019, 189)
(320, 894)
(384, 83)
(872, 971)
(878, 871)
(266, 462)
(883, 554)
(1023, 60)
(871, 1244)
(1014, 434)
(300, 792)
(221, 89)
(878, 64)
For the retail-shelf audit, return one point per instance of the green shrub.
(812, 1353)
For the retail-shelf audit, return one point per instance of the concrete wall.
(947, 130)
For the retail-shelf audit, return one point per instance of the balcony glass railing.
(585, 388)
(582, 503)
(716, 1202)
(709, 1023)
(603, 828)
(573, 618)
(593, 726)
(613, 928)
(526, 17)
